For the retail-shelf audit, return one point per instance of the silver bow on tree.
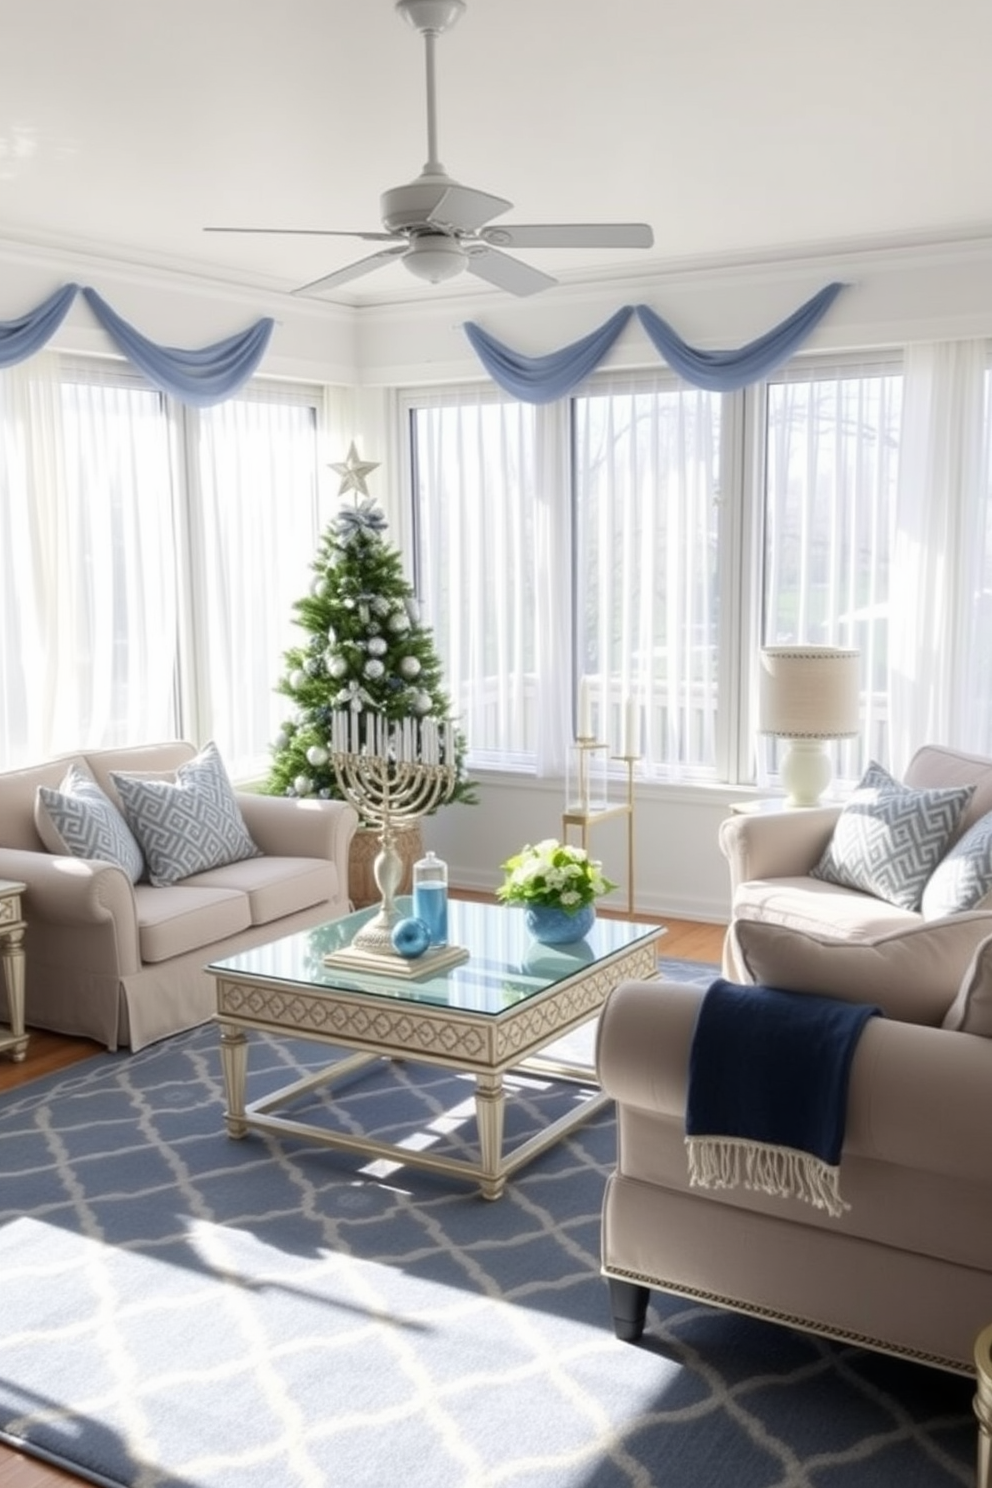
(355, 697)
(351, 520)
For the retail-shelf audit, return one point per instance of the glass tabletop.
(505, 965)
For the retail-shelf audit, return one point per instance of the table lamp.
(809, 694)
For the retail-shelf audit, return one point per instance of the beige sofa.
(906, 1269)
(122, 962)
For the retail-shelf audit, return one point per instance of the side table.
(12, 927)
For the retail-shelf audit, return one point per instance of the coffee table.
(493, 1013)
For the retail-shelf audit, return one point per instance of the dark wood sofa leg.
(629, 1305)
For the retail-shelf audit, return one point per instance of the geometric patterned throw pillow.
(962, 879)
(889, 838)
(81, 820)
(188, 824)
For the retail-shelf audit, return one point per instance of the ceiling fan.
(438, 227)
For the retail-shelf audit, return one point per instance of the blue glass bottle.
(430, 896)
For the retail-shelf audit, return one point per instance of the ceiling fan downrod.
(430, 18)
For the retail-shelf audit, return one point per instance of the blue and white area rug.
(180, 1309)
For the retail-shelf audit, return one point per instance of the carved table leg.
(490, 1103)
(983, 1405)
(629, 1305)
(234, 1060)
(13, 967)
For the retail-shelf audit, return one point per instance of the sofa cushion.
(819, 908)
(274, 887)
(77, 819)
(177, 919)
(187, 826)
(889, 837)
(971, 1010)
(962, 879)
(910, 973)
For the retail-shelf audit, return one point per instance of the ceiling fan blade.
(505, 272)
(462, 209)
(569, 235)
(352, 271)
(311, 232)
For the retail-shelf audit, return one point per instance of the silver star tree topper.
(354, 473)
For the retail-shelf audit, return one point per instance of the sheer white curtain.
(493, 571)
(253, 535)
(89, 542)
(831, 473)
(646, 478)
(938, 551)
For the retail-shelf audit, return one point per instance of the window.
(483, 560)
(579, 539)
(831, 446)
(646, 542)
(150, 558)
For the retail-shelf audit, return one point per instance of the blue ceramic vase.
(553, 926)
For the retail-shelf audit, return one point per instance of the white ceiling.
(734, 127)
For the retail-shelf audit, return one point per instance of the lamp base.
(806, 771)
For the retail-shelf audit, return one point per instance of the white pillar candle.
(630, 743)
(585, 711)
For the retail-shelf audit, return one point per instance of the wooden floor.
(48, 1052)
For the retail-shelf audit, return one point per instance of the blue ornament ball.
(411, 937)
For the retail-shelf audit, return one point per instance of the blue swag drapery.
(200, 377)
(542, 379)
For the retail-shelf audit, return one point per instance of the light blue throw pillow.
(962, 879)
(187, 825)
(80, 820)
(889, 837)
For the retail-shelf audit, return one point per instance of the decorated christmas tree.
(367, 657)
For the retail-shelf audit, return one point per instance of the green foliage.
(366, 655)
(553, 874)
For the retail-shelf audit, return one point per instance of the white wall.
(678, 867)
(897, 293)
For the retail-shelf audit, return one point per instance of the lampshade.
(809, 694)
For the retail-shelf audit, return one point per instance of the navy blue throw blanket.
(767, 1099)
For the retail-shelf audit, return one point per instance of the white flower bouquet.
(553, 875)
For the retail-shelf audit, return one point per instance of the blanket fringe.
(732, 1162)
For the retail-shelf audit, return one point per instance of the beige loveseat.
(122, 962)
(789, 929)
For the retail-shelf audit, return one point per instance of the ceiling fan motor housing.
(405, 208)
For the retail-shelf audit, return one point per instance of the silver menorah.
(392, 773)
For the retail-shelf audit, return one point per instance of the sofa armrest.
(785, 844)
(296, 827)
(642, 1057)
(76, 891)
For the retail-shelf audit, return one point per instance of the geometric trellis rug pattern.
(180, 1309)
